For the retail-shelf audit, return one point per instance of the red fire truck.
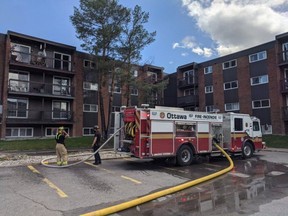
(164, 132)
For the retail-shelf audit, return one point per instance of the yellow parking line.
(131, 179)
(59, 192)
(122, 176)
(50, 184)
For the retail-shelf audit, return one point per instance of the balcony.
(187, 81)
(21, 87)
(285, 113)
(30, 116)
(283, 58)
(284, 86)
(190, 100)
(40, 61)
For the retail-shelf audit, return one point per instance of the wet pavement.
(255, 187)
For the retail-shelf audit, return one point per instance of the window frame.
(208, 89)
(19, 132)
(233, 106)
(229, 64)
(231, 82)
(259, 77)
(90, 110)
(261, 104)
(208, 69)
(258, 56)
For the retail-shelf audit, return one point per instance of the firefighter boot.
(59, 163)
(65, 163)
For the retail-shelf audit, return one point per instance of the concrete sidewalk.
(10, 159)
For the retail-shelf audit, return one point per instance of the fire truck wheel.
(247, 150)
(184, 156)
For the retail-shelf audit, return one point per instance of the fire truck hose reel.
(153, 196)
(44, 163)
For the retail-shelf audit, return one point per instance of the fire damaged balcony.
(20, 87)
(39, 60)
(31, 116)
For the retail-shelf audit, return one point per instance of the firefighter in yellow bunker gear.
(61, 151)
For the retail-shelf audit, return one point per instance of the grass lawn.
(272, 141)
(48, 144)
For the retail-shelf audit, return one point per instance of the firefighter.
(61, 151)
(96, 145)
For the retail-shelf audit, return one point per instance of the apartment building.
(253, 81)
(45, 84)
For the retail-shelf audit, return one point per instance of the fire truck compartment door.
(161, 139)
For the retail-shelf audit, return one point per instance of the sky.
(187, 30)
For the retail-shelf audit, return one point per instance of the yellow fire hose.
(44, 163)
(147, 198)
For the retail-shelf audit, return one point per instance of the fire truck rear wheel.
(247, 150)
(184, 156)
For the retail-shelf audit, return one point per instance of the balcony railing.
(187, 81)
(40, 61)
(39, 88)
(284, 86)
(189, 100)
(283, 57)
(285, 113)
(38, 116)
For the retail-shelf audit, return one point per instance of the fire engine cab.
(164, 132)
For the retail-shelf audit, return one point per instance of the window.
(232, 106)
(19, 132)
(117, 88)
(257, 56)
(62, 61)
(134, 73)
(229, 64)
(256, 126)
(238, 124)
(285, 51)
(208, 89)
(209, 108)
(61, 86)
(116, 108)
(61, 110)
(152, 76)
(88, 131)
(208, 70)
(17, 108)
(259, 80)
(88, 64)
(257, 104)
(52, 131)
(18, 81)
(90, 86)
(188, 77)
(231, 85)
(20, 53)
(90, 108)
(134, 91)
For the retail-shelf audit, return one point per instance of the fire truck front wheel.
(184, 156)
(247, 151)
